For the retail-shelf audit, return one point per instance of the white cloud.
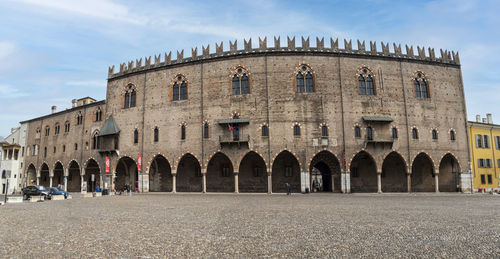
(8, 92)
(103, 9)
(6, 49)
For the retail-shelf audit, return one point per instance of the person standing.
(288, 189)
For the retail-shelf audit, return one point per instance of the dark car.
(56, 191)
(34, 190)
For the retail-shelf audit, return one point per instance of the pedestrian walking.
(288, 189)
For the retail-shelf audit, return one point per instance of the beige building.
(253, 119)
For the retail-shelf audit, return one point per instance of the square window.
(490, 179)
(483, 179)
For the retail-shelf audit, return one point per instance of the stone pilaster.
(466, 182)
(408, 181)
(269, 181)
(379, 182)
(174, 181)
(204, 180)
(436, 184)
(345, 181)
(236, 189)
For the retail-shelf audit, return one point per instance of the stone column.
(436, 185)
(50, 181)
(269, 181)
(408, 181)
(345, 181)
(66, 173)
(379, 182)
(174, 181)
(81, 181)
(38, 180)
(204, 180)
(236, 189)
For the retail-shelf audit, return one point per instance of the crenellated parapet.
(421, 54)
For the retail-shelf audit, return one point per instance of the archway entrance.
(394, 176)
(449, 174)
(126, 174)
(160, 175)
(44, 175)
(422, 174)
(74, 179)
(58, 178)
(363, 173)
(189, 178)
(31, 175)
(325, 173)
(92, 175)
(252, 175)
(220, 176)
(286, 169)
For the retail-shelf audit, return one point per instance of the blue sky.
(53, 51)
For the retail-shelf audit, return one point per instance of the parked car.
(34, 190)
(56, 191)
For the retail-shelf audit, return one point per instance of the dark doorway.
(394, 176)
(92, 168)
(74, 178)
(422, 174)
(286, 169)
(160, 176)
(44, 175)
(220, 176)
(363, 173)
(252, 173)
(189, 178)
(325, 172)
(126, 174)
(449, 174)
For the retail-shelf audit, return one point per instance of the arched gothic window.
(304, 79)
(394, 132)
(434, 134)
(452, 135)
(130, 96)
(57, 128)
(156, 134)
(79, 119)
(357, 132)
(95, 141)
(180, 88)
(136, 136)
(414, 132)
(205, 130)
(47, 131)
(296, 130)
(265, 131)
(66, 127)
(324, 131)
(420, 85)
(183, 131)
(240, 82)
(369, 133)
(365, 81)
(98, 114)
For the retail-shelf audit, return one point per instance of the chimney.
(489, 118)
(478, 118)
(73, 103)
(53, 108)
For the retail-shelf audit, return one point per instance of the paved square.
(228, 225)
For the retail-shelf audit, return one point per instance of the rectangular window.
(490, 179)
(498, 163)
(479, 141)
(225, 172)
(497, 142)
(480, 163)
(488, 163)
(486, 141)
(483, 179)
(288, 171)
(22, 151)
(257, 172)
(354, 172)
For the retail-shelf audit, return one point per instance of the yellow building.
(484, 140)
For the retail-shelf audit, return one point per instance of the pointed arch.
(363, 168)
(449, 173)
(286, 168)
(422, 173)
(188, 177)
(160, 174)
(44, 174)
(126, 174)
(252, 171)
(324, 170)
(394, 173)
(74, 176)
(220, 171)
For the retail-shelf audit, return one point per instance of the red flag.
(231, 127)
(139, 162)
(107, 164)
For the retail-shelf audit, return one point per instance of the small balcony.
(230, 140)
(376, 142)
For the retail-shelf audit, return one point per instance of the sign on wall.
(107, 164)
(139, 163)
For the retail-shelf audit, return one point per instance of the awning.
(377, 119)
(235, 121)
(109, 128)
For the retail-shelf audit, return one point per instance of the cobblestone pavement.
(254, 225)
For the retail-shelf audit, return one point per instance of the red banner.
(107, 164)
(139, 163)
